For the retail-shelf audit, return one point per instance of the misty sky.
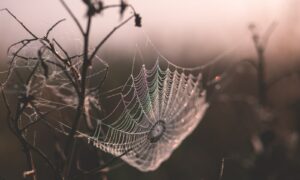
(173, 26)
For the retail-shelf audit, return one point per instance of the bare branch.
(100, 168)
(23, 42)
(268, 33)
(9, 112)
(53, 26)
(61, 48)
(20, 22)
(108, 36)
(221, 169)
(45, 157)
(73, 16)
(69, 148)
(13, 59)
(281, 77)
(101, 82)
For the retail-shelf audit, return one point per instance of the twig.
(118, 6)
(34, 122)
(63, 68)
(53, 26)
(22, 104)
(101, 82)
(100, 168)
(68, 61)
(9, 112)
(18, 134)
(32, 73)
(70, 144)
(222, 169)
(23, 42)
(63, 50)
(260, 44)
(21, 23)
(275, 80)
(13, 59)
(268, 33)
(44, 156)
(108, 36)
(73, 16)
(52, 49)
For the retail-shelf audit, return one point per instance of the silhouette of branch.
(21, 106)
(109, 35)
(72, 16)
(222, 169)
(102, 167)
(101, 82)
(70, 144)
(20, 22)
(52, 27)
(260, 44)
(281, 77)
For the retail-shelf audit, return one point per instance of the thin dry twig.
(109, 35)
(260, 44)
(222, 169)
(104, 166)
(72, 16)
(53, 26)
(20, 22)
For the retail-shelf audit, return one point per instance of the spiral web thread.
(173, 96)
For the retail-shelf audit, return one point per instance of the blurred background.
(189, 33)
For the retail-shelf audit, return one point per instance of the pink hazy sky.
(200, 25)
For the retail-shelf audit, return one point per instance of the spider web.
(172, 95)
(157, 108)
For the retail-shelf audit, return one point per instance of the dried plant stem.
(109, 35)
(261, 74)
(18, 133)
(20, 22)
(73, 16)
(99, 169)
(260, 44)
(70, 145)
(222, 169)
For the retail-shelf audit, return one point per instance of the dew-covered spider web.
(156, 109)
